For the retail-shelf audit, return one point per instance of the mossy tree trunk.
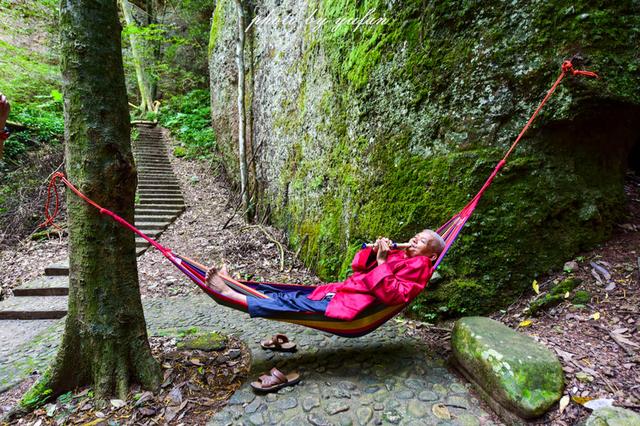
(105, 339)
(137, 51)
(242, 119)
(152, 14)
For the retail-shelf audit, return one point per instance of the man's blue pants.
(284, 301)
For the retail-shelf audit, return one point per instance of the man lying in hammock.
(379, 274)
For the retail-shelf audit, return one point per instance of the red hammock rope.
(51, 217)
(465, 213)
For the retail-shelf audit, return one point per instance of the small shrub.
(189, 119)
(581, 297)
(179, 151)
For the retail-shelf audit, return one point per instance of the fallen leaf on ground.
(601, 270)
(595, 316)
(535, 286)
(626, 341)
(525, 323)
(147, 412)
(118, 403)
(596, 276)
(581, 399)
(169, 414)
(565, 355)
(176, 396)
(441, 412)
(564, 401)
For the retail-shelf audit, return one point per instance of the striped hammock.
(368, 320)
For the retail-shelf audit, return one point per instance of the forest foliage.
(176, 45)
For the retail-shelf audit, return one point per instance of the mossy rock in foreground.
(203, 342)
(513, 369)
(613, 416)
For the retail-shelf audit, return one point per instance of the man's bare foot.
(214, 281)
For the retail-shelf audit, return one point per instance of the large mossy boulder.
(512, 369)
(613, 416)
(388, 129)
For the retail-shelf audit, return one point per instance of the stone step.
(158, 179)
(154, 218)
(44, 286)
(150, 177)
(166, 215)
(156, 168)
(151, 158)
(141, 242)
(143, 160)
(144, 201)
(143, 226)
(169, 192)
(159, 155)
(167, 197)
(152, 233)
(158, 186)
(151, 150)
(164, 208)
(156, 172)
(57, 269)
(33, 307)
(161, 178)
(148, 162)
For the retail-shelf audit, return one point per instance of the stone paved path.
(382, 378)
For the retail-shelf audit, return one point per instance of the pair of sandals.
(276, 379)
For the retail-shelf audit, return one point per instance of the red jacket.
(396, 281)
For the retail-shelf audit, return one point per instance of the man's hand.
(381, 248)
(5, 108)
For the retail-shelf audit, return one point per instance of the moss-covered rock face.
(388, 129)
(516, 371)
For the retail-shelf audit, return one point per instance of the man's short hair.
(436, 243)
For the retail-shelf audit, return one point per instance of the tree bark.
(105, 339)
(137, 52)
(242, 154)
(151, 8)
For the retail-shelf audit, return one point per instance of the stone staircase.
(159, 202)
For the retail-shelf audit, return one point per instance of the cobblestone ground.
(382, 378)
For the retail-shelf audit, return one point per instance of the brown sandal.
(275, 380)
(279, 342)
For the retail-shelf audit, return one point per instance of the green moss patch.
(555, 296)
(204, 342)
